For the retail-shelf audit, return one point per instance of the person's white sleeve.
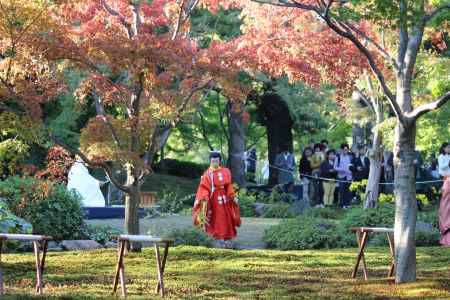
(444, 169)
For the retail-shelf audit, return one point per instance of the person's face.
(362, 152)
(215, 162)
(345, 150)
(447, 149)
(308, 153)
(331, 156)
(317, 150)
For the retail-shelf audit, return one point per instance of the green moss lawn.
(200, 273)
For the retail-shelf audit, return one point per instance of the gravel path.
(249, 234)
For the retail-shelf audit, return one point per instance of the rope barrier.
(330, 179)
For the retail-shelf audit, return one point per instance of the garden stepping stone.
(81, 245)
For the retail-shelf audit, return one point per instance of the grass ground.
(249, 234)
(201, 273)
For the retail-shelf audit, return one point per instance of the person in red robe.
(444, 214)
(216, 207)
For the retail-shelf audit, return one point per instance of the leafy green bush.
(12, 153)
(279, 210)
(381, 216)
(190, 236)
(171, 201)
(430, 217)
(180, 168)
(100, 233)
(50, 208)
(246, 203)
(325, 213)
(302, 233)
(277, 196)
(9, 223)
(428, 238)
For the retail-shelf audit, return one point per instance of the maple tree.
(404, 22)
(143, 72)
(27, 77)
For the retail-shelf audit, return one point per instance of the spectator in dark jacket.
(305, 169)
(360, 165)
(327, 171)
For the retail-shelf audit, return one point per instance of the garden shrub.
(277, 195)
(246, 203)
(9, 223)
(279, 210)
(12, 153)
(428, 238)
(180, 168)
(171, 201)
(100, 233)
(430, 217)
(190, 236)
(302, 233)
(325, 213)
(381, 216)
(50, 208)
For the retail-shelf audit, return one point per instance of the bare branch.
(95, 164)
(101, 112)
(423, 109)
(203, 131)
(436, 11)
(287, 3)
(122, 19)
(403, 35)
(375, 70)
(377, 46)
(188, 97)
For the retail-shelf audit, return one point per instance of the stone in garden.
(111, 244)
(81, 245)
(260, 208)
(424, 227)
(54, 246)
(299, 207)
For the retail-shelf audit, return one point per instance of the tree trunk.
(358, 135)
(405, 200)
(278, 122)
(373, 184)
(132, 208)
(375, 156)
(236, 147)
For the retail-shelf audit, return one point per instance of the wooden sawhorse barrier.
(40, 261)
(123, 241)
(362, 234)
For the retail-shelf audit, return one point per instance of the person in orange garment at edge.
(216, 207)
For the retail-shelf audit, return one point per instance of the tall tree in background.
(406, 22)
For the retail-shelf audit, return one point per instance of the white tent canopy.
(86, 185)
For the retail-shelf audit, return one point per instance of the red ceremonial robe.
(444, 214)
(222, 211)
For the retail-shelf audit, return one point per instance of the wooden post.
(119, 269)
(362, 245)
(391, 247)
(38, 268)
(159, 268)
(166, 252)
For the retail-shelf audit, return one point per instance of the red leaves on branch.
(58, 163)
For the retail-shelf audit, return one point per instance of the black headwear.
(215, 154)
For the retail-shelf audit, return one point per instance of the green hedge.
(50, 208)
(180, 168)
(324, 228)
